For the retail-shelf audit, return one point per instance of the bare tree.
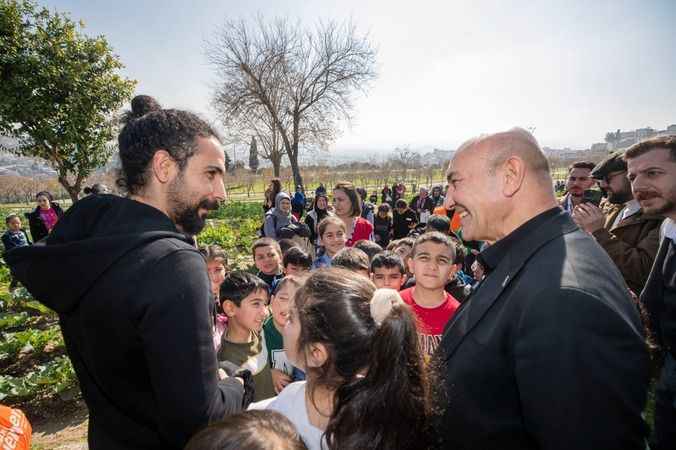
(302, 80)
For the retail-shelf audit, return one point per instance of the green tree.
(59, 91)
(253, 155)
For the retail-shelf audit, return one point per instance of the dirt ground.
(65, 429)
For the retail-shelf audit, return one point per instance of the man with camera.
(626, 233)
(579, 181)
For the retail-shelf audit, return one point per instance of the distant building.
(599, 147)
(623, 139)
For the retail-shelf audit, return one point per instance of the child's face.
(382, 214)
(292, 269)
(252, 311)
(404, 251)
(43, 202)
(216, 271)
(388, 277)
(333, 239)
(267, 259)
(14, 224)
(285, 206)
(432, 265)
(291, 334)
(279, 305)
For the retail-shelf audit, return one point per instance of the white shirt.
(630, 208)
(668, 229)
(291, 403)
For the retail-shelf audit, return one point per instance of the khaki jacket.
(632, 244)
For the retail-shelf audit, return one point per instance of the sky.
(448, 70)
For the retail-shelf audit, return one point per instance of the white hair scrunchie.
(382, 302)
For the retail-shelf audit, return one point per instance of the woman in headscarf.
(318, 212)
(278, 217)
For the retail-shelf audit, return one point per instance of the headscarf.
(278, 200)
(321, 213)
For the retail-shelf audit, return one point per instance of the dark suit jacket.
(548, 353)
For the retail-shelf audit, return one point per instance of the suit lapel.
(476, 307)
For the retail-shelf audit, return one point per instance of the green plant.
(13, 320)
(52, 378)
(30, 340)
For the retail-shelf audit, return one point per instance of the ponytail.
(388, 405)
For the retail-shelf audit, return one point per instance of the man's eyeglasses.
(609, 176)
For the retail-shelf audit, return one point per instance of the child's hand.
(279, 380)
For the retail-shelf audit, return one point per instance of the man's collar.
(491, 256)
(630, 208)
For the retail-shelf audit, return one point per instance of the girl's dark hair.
(377, 371)
(149, 128)
(44, 194)
(276, 184)
(352, 194)
(249, 430)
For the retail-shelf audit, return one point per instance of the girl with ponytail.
(366, 382)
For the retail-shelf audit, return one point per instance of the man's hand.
(588, 217)
(279, 380)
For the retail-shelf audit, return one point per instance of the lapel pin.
(504, 283)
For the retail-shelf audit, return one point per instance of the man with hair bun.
(132, 291)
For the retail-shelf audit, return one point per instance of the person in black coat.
(44, 217)
(651, 168)
(548, 352)
(132, 291)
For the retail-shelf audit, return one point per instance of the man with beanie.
(624, 230)
(132, 291)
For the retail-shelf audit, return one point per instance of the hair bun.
(142, 105)
(382, 302)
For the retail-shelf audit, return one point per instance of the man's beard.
(188, 218)
(669, 205)
(185, 215)
(618, 198)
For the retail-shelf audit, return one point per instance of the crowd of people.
(486, 315)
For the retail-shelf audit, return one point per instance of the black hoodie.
(133, 298)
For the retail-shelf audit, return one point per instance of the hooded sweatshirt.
(276, 219)
(133, 299)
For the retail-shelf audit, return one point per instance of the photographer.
(626, 233)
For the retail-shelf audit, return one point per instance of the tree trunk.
(295, 169)
(276, 164)
(72, 189)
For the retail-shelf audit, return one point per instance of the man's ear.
(514, 172)
(229, 308)
(317, 355)
(410, 264)
(164, 166)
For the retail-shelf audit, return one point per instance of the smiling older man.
(548, 352)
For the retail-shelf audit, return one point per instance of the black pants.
(664, 437)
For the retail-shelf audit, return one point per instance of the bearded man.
(624, 230)
(132, 291)
(651, 168)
